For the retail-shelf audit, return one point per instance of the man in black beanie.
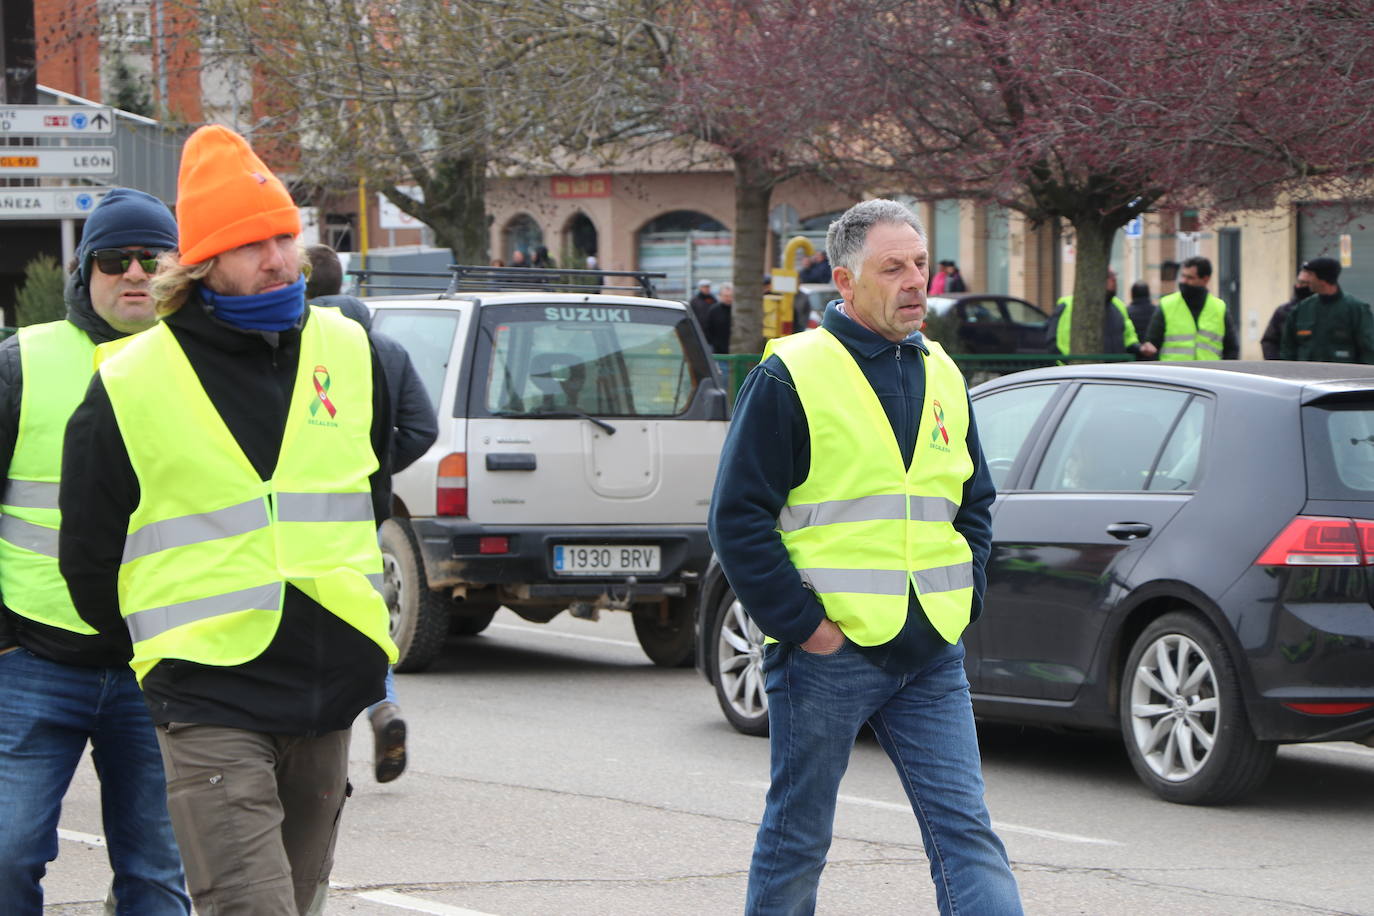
(1330, 326)
(63, 683)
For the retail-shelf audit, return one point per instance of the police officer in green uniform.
(1330, 326)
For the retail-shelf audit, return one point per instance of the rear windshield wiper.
(564, 414)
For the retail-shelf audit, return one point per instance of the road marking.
(90, 839)
(561, 635)
(997, 825)
(404, 902)
(1356, 751)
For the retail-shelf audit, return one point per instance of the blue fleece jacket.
(767, 454)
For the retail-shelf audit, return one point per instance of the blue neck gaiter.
(278, 310)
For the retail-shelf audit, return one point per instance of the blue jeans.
(924, 721)
(390, 691)
(48, 713)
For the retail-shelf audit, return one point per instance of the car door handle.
(1129, 531)
(510, 461)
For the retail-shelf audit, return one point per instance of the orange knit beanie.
(226, 197)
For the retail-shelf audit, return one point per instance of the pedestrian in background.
(1118, 331)
(719, 320)
(866, 604)
(701, 303)
(1330, 326)
(1272, 338)
(415, 427)
(1192, 324)
(62, 683)
(1141, 309)
(221, 485)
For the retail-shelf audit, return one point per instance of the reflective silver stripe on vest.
(1209, 335)
(1178, 338)
(31, 494)
(195, 529)
(944, 578)
(158, 620)
(324, 507)
(29, 536)
(856, 581)
(866, 509)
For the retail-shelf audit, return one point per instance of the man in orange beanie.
(225, 473)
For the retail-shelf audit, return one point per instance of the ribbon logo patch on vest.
(939, 431)
(321, 380)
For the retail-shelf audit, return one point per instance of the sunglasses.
(116, 261)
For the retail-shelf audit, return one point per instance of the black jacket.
(412, 414)
(318, 672)
(1230, 341)
(767, 454)
(103, 650)
(718, 325)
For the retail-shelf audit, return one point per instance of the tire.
(419, 617)
(670, 643)
(737, 667)
(465, 622)
(1183, 718)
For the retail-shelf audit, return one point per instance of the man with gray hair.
(852, 517)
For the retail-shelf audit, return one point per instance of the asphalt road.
(554, 770)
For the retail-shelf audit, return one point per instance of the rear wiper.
(570, 415)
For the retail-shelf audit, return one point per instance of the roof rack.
(471, 278)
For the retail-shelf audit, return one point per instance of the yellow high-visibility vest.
(1062, 331)
(1185, 339)
(57, 359)
(211, 546)
(863, 528)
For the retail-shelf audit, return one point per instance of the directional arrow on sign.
(46, 161)
(48, 120)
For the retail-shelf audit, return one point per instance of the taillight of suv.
(451, 490)
(1313, 540)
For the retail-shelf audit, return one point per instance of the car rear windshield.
(605, 360)
(427, 335)
(1339, 439)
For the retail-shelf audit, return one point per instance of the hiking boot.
(388, 742)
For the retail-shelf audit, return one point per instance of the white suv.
(578, 439)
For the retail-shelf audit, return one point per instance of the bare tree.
(436, 94)
(1095, 112)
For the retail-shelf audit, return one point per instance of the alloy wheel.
(1175, 707)
(739, 663)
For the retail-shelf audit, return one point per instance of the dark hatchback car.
(985, 323)
(1183, 552)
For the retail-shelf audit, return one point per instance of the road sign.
(47, 161)
(1134, 228)
(46, 120)
(49, 203)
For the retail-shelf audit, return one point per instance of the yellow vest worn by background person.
(211, 546)
(1184, 339)
(57, 359)
(862, 525)
(1062, 331)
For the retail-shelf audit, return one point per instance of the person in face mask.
(1331, 326)
(1273, 334)
(222, 479)
(1192, 324)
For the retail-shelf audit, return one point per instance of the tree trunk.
(1093, 242)
(753, 191)
(455, 207)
